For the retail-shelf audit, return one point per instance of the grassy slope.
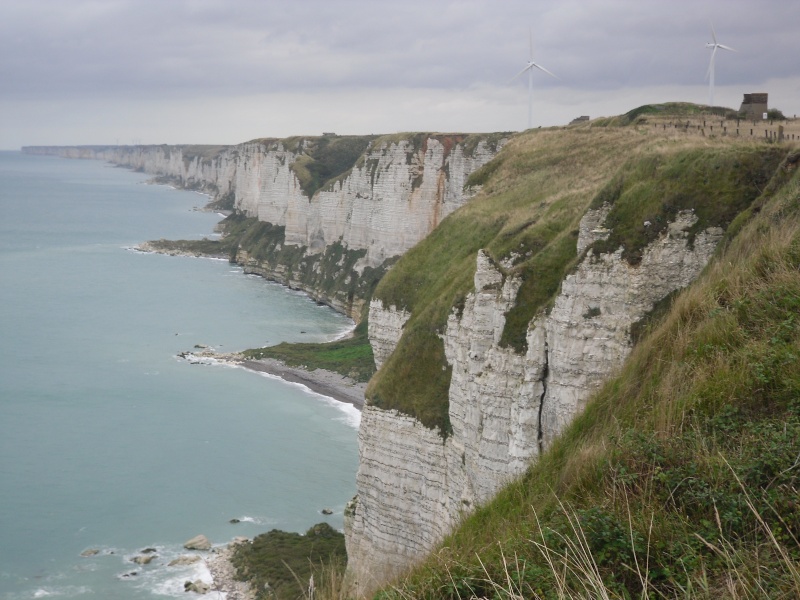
(681, 478)
(327, 158)
(534, 195)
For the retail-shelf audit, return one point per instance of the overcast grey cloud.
(219, 71)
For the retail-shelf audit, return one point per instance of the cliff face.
(377, 204)
(505, 407)
(394, 195)
(385, 326)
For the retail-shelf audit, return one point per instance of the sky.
(78, 72)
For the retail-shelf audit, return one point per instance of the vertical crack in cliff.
(545, 373)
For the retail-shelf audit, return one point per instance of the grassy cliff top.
(324, 160)
(532, 197)
(681, 478)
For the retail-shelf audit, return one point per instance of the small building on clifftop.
(754, 106)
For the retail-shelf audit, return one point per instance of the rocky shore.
(224, 575)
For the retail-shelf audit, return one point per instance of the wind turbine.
(713, 46)
(529, 68)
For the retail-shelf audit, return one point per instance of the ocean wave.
(345, 332)
(351, 415)
(67, 591)
(257, 520)
(161, 579)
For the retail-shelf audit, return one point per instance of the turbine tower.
(713, 46)
(529, 68)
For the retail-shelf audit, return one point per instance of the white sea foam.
(194, 359)
(257, 520)
(161, 579)
(351, 416)
(169, 581)
(344, 333)
(68, 591)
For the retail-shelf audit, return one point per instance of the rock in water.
(189, 559)
(144, 559)
(199, 587)
(199, 542)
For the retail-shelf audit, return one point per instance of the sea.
(109, 441)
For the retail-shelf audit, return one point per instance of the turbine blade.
(713, 33)
(724, 47)
(541, 68)
(530, 42)
(520, 73)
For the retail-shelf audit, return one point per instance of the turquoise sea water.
(107, 439)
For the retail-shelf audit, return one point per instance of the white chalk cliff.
(394, 195)
(504, 407)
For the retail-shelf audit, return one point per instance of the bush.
(773, 114)
(278, 564)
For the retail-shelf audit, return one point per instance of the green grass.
(279, 564)
(526, 217)
(716, 184)
(681, 478)
(672, 110)
(326, 158)
(351, 357)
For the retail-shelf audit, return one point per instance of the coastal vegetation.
(281, 565)
(526, 216)
(326, 158)
(681, 477)
(330, 277)
(350, 356)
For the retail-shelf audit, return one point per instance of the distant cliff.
(342, 205)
